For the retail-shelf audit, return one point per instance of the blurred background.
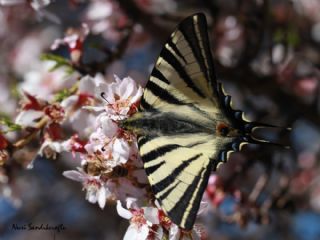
(266, 53)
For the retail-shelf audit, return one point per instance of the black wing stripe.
(159, 152)
(195, 207)
(172, 60)
(152, 169)
(176, 50)
(163, 94)
(167, 192)
(146, 106)
(157, 74)
(188, 30)
(178, 211)
(202, 23)
(164, 183)
(143, 140)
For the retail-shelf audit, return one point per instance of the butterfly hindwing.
(178, 176)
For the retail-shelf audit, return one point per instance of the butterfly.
(185, 125)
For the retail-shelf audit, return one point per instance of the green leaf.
(293, 37)
(59, 62)
(278, 35)
(11, 126)
(64, 93)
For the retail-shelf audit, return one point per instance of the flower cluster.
(152, 223)
(110, 165)
(110, 153)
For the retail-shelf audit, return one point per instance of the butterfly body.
(185, 125)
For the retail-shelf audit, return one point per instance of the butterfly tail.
(250, 136)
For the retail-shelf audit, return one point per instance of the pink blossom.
(120, 97)
(230, 41)
(98, 13)
(43, 83)
(35, 4)
(213, 191)
(8, 104)
(105, 17)
(33, 110)
(50, 148)
(26, 54)
(141, 220)
(158, 6)
(197, 233)
(123, 188)
(96, 190)
(80, 119)
(29, 118)
(106, 139)
(74, 40)
(150, 222)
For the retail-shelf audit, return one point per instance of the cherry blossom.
(96, 190)
(74, 40)
(141, 221)
(79, 118)
(49, 148)
(150, 223)
(120, 98)
(36, 4)
(105, 17)
(44, 83)
(158, 6)
(29, 118)
(123, 188)
(106, 140)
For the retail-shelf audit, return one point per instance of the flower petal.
(132, 233)
(131, 203)
(69, 101)
(127, 88)
(204, 207)
(159, 233)
(28, 118)
(125, 213)
(102, 197)
(151, 214)
(174, 232)
(109, 127)
(74, 175)
(87, 85)
(121, 151)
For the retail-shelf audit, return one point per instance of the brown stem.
(25, 140)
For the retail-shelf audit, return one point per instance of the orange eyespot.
(222, 129)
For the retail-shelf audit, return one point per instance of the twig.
(25, 140)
